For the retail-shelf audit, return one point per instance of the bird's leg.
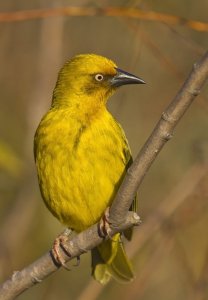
(59, 245)
(104, 224)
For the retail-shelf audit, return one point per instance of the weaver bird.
(82, 155)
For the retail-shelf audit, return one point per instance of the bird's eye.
(99, 77)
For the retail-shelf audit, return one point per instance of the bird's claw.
(58, 247)
(104, 228)
(104, 225)
(77, 262)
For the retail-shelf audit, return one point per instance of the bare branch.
(160, 135)
(75, 11)
(153, 224)
(44, 266)
(119, 215)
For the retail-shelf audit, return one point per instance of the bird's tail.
(110, 259)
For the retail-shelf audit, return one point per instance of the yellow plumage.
(81, 154)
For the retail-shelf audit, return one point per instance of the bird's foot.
(104, 228)
(58, 247)
(104, 225)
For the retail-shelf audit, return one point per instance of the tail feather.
(122, 266)
(109, 259)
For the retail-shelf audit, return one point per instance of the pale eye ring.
(99, 77)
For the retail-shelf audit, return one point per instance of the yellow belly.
(80, 167)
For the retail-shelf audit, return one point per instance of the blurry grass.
(9, 161)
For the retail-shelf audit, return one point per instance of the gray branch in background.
(120, 217)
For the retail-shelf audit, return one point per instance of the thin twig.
(119, 215)
(75, 11)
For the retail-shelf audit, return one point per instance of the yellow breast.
(80, 165)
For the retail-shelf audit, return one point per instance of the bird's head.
(89, 76)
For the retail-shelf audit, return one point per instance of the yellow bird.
(82, 154)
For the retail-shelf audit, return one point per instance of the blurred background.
(170, 249)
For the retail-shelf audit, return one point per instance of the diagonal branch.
(160, 135)
(119, 215)
(44, 266)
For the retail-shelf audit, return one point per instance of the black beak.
(123, 77)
